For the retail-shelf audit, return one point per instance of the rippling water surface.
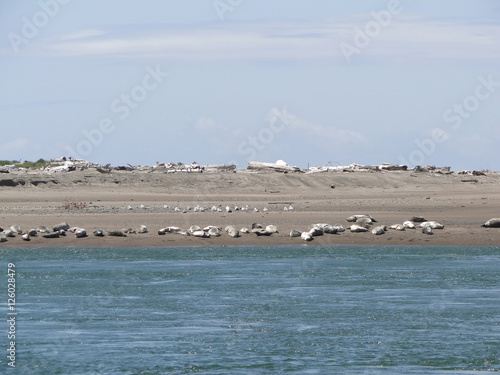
(255, 310)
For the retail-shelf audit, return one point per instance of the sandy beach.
(93, 200)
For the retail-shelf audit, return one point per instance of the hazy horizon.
(229, 81)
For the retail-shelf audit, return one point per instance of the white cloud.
(17, 145)
(330, 133)
(23, 147)
(82, 34)
(405, 37)
(205, 123)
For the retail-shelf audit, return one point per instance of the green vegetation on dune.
(7, 162)
(40, 163)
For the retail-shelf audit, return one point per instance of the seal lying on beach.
(315, 232)
(409, 224)
(271, 229)
(306, 236)
(418, 219)
(339, 228)
(399, 227)
(232, 231)
(98, 233)
(9, 233)
(427, 230)
(356, 229)
(194, 228)
(326, 228)
(379, 230)
(61, 226)
(214, 232)
(364, 221)
(432, 224)
(355, 218)
(169, 230)
(117, 233)
(200, 233)
(80, 233)
(16, 229)
(492, 223)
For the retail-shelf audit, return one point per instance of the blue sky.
(398, 81)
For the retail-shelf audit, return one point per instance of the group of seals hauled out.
(360, 223)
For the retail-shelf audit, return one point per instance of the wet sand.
(94, 200)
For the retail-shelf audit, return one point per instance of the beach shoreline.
(127, 199)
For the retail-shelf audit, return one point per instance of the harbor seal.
(326, 228)
(272, 229)
(194, 228)
(492, 223)
(80, 233)
(315, 232)
(98, 233)
(329, 229)
(201, 234)
(355, 218)
(61, 226)
(427, 230)
(364, 220)
(306, 236)
(42, 229)
(208, 227)
(295, 233)
(357, 229)
(409, 224)
(378, 230)
(9, 233)
(117, 233)
(339, 228)
(399, 227)
(169, 230)
(214, 232)
(432, 224)
(233, 232)
(418, 219)
(16, 229)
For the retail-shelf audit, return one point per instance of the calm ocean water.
(255, 310)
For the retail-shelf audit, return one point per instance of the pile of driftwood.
(279, 166)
